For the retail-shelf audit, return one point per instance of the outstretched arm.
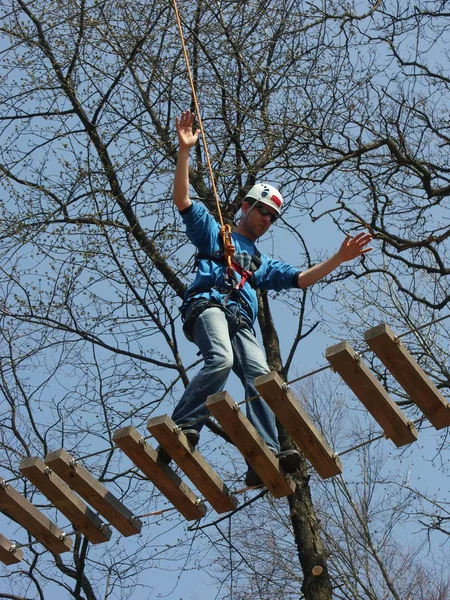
(351, 248)
(186, 139)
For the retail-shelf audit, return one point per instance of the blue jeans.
(222, 353)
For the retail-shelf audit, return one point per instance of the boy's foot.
(252, 479)
(289, 461)
(193, 437)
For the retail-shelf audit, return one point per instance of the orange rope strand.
(225, 229)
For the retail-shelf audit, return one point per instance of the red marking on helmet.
(276, 200)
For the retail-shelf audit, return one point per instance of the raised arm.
(186, 139)
(351, 248)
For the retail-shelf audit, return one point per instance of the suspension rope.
(225, 230)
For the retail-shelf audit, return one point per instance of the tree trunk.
(311, 551)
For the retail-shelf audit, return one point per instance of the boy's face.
(258, 218)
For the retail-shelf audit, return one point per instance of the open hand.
(353, 247)
(186, 137)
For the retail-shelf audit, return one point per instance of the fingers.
(186, 137)
(185, 121)
(352, 247)
(362, 238)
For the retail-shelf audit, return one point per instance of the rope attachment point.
(228, 247)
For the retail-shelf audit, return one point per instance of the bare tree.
(323, 99)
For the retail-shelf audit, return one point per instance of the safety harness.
(231, 279)
(230, 287)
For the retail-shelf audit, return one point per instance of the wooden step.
(248, 441)
(33, 520)
(79, 479)
(413, 379)
(162, 476)
(9, 554)
(371, 393)
(298, 424)
(62, 497)
(192, 463)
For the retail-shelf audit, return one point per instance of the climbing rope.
(225, 230)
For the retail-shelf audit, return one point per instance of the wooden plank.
(398, 360)
(53, 487)
(161, 475)
(298, 424)
(33, 520)
(250, 444)
(9, 554)
(79, 479)
(371, 393)
(192, 463)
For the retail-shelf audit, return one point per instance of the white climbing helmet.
(266, 194)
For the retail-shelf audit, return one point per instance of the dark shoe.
(289, 461)
(193, 437)
(252, 479)
(163, 455)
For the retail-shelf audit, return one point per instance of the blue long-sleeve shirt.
(204, 232)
